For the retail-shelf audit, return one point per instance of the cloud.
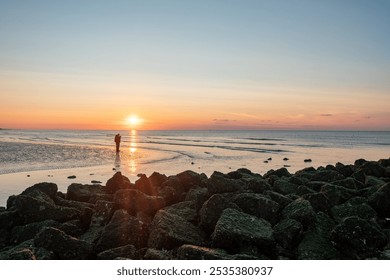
(367, 117)
(326, 115)
(223, 120)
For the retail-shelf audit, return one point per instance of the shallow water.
(171, 152)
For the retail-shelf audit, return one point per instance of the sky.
(205, 64)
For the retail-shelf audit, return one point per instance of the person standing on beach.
(117, 142)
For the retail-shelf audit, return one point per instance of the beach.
(340, 211)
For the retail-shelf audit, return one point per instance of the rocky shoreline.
(332, 212)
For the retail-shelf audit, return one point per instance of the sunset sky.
(204, 64)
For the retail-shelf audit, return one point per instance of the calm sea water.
(170, 152)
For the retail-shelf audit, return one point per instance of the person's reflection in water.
(117, 162)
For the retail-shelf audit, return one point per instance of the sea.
(23, 152)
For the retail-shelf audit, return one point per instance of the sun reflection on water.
(133, 149)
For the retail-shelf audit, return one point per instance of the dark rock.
(9, 219)
(118, 182)
(50, 189)
(300, 210)
(172, 190)
(184, 209)
(384, 162)
(282, 172)
(65, 247)
(212, 210)
(157, 179)
(20, 234)
(372, 168)
(190, 179)
(96, 182)
(102, 213)
(237, 232)
(354, 207)
(316, 243)
(337, 194)
(359, 176)
(307, 160)
(144, 185)
(349, 183)
(285, 159)
(154, 254)
(37, 207)
(17, 254)
(281, 199)
(284, 187)
(258, 205)
(327, 176)
(72, 177)
(191, 252)
(84, 208)
(346, 170)
(122, 230)
(318, 201)
(372, 181)
(198, 196)
(380, 201)
(358, 238)
(126, 252)
(255, 183)
(168, 231)
(73, 228)
(360, 162)
(84, 193)
(134, 201)
(288, 233)
(220, 183)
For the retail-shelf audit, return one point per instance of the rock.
(118, 182)
(84, 208)
(327, 176)
(307, 160)
(172, 191)
(258, 205)
(281, 199)
(122, 230)
(255, 183)
(300, 210)
(102, 213)
(288, 233)
(354, 207)
(316, 243)
(359, 176)
(212, 210)
(84, 193)
(190, 179)
(239, 232)
(144, 185)
(284, 187)
(337, 194)
(282, 172)
(135, 201)
(157, 179)
(285, 159)
(37, 207)
(65, 247)
(72, 177)
(384, 162)
(191, 252)
(346, 170)
(380, 201)
(154, 254)
(372, 168)
(20, 234)
(219, 183)
(358, 238)
(50, 189)
(350, 183)
(9, 219)
(198, 196)
(360, 162)
(184, 209)
(96, 182)
(318, 201)
(372, 181)
(126, 252)
(168, 231)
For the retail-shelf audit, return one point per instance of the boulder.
(191, 252)
(288, 233)
(118, 182)
(135, 201)
(85, 193)
(281, 199)
(258, 205)
(84, 208)
(172, 190)
(337, 194)
(380, 201)
(144, 185)
(354, 207)
(211, 211)
(327, 176)
(122, 230)
(168, 231)
(281, 172)
(65, 247)
(157, 179)
(23, 233)
(373, 168)
(50, 189)
(300, 210)
(359, 238)
(160, 255)
(346, 170)
(239, 232)
(384, 162)
(220, 183)
(102, 213)
(199, 196)
(184, 209)
(125, 252)
(318, 201)
(190, 179)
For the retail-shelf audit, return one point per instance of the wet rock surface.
(333, 212)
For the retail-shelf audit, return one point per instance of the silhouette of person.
(117, 142)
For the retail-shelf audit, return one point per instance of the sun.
(133, 120)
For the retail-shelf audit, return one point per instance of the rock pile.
(333, 212)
